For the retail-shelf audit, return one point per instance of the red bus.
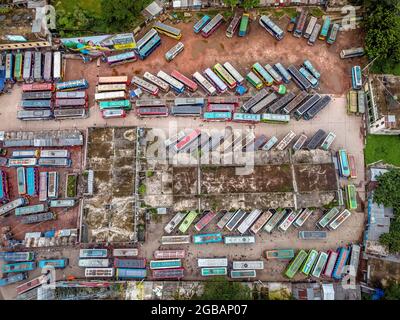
(34, 283)
(27, 87)
(152, 112)
(224, 100)
(352, 164)
(191, 85)
(187, 140)
(206, 219)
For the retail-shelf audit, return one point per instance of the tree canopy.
(222, 289)
(392, 292)
(231, 3)
(248, 4)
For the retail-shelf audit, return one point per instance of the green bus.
(254, 80)
(18, 67)
(244, 24)
(206, 272)
(351, 197)
(117, 104)
(312, 257)
(188, 221)
(295, 264)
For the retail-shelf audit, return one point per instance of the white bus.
(239, 239)
(290, 218)
(304, 215)
(310, 27)
(177, 86)
(111, 87)
(43, 186)
(57, 66)
(211, 76)
(249, 220)
(234, 73)
(248, 265)
(157, 81)
(212, 262)
(128, 252)
(174, 222)
(224, 220)
(94, 263)
(342, 217)
(175, 240)
(204, 83)
(60, 153)
(146, 86)
(174, 51)
(286, 141)
(52, 185)
(110, 95)
(262, 220)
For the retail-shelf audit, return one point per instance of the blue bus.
(31, 179)
(122, 273)
(146, 45)
(340, 263)
(72, 85)
(356, 78)
(12, 279)
(207, 238)
(314, 82)
(201, 24)
(56, 263)
(283, 72)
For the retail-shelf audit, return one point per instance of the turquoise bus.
(206, 272)
(207, 238)
(344, 168)
(312, 257)
(325, 28)
(356, 78)
(165, 264)
(18, 267)
(56, 263)
(117, 104)
(295, 264)
(201, 23)
(217, 116)
(263, 74)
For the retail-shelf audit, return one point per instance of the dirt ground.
(66, 218)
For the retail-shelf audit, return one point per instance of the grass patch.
(316, 12)
(384, 148)
(142, 189)
(290, 12)
(278, 13)
(386, 66)
(71, 186)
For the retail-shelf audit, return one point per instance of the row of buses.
(331, 264)
(34, 66)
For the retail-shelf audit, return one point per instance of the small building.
(153, 10)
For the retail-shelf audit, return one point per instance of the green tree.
(249, 4)
(231, 3)
(222, 289)
(388, 190)
(391, 240)
(392, 292)
(121, 12)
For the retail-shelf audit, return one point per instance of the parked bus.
(71, 103)
(18, 67)
(304, 215)
(244, 23)
(352, 101)
(309, 263)
(169, 254)
(330, 264)
(236, 218)
(93, 253)
(12, 279)
(234, 73)
(192, 111)
(59, 153)
(311, 68)
(207, 238)
(99, 272)
(62, 203)
(282, 145)
(37, 208)
(352, 53)
(343, 255)
(54, 162)
(175, 274)
(31, 115)
(37, 95)
(299, 79)
(327, 218)
(212, 262)
(239, 239)
(281, 254)
(10, 67)
(187, 140)
(310, 27)
(261, 221)
(169, 31)
(199, 25)
(306, 105)
(152, 112)
(217, 116)
(125, 57)
(94, 263)
(6, 208)
(300, 23)
(189, 84)
(56, 263)
(320, 264)
(291, 216)
(352, 164)
(312, 235)
(275, 75)
(204, 83)
(72, 85)
(31, 284)
(57, 66)
(344, 168)
(111, 87)
(237, 274)
(36, 104)
(230, 32)
(130, 263)
(225, 218)
(48, 66)
(263, 105)
(156, 81)
(254, 100)
(30, 87)
(21, 180)
(325, 28)
(286, 77)
(354, 260)
(113, 80)
(356, 78)
(52, 185)
(254, 80)
(205, 220)
(27, 71)
(151, 103)
(333, 35)
(4, 196)
(18, 256)
(22, 162)
(111, 95)
(274, 220)
(213, 25)
(187, 221)
(146, 45)
(18, 267)
(225, 76)
(249, 220)
(306, 74)
(215, 80)
(328, 141)
(262, 74)
(37, 218)
(75, 113)
(271, 27)
(361, 102)
(169, 240)
(130, 273)
(296, 264)
(300, 142)
(174, 222)
(206, 272)
(144, 85)
(174, 51)
(342, 217)
(314, 35)
(177, 86)
(165, 264)
(248, 265)
(71, 95)
(316, 140)
(126, 252)
(270, 143)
